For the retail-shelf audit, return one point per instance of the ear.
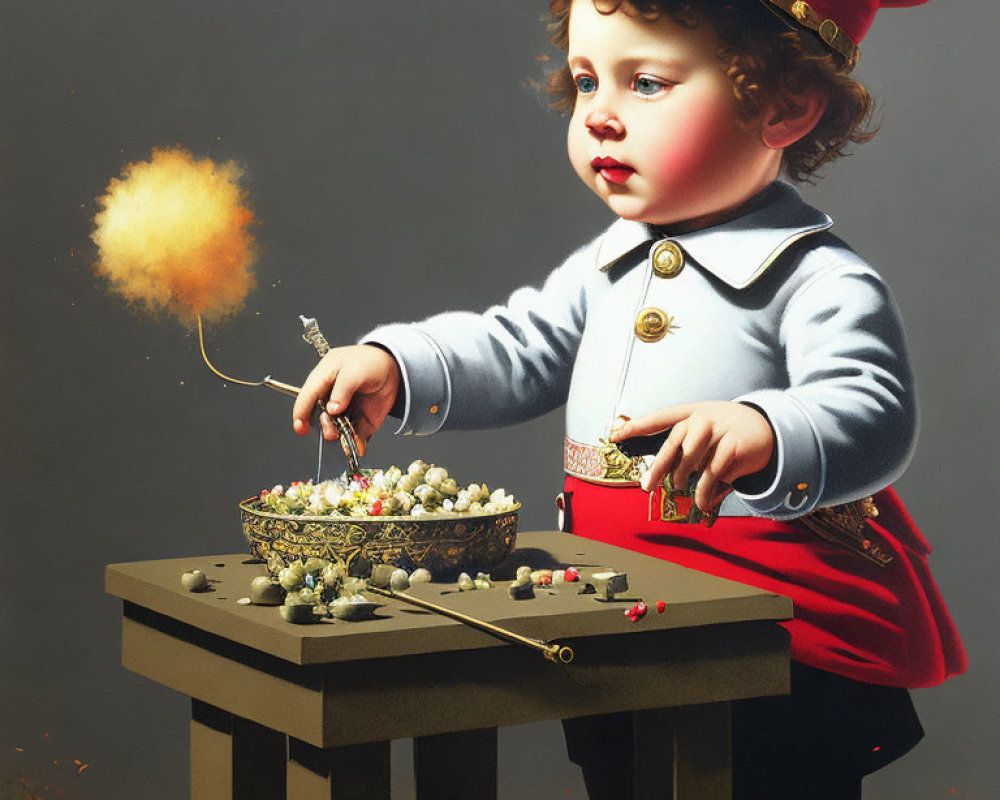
(790, 117)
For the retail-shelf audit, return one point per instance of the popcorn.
(424, 490)
(332, 492)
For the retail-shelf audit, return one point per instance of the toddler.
(719, 311)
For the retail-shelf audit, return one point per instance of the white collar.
(736, 252)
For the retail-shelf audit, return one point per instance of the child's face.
(655, 132)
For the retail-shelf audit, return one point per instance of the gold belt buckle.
(663, 503)
(617, 466)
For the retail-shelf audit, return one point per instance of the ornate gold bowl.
(445, 545)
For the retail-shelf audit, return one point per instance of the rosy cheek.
(704, 141)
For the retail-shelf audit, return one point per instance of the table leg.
(233, 758)
(653, 759)
(353, 772)
(683, 753)
(703, 765)
(454, 766)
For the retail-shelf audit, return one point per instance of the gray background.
(399, 165)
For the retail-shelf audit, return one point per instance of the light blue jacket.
(769, 309)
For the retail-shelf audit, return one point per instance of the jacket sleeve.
(463, 370)
(846, 425)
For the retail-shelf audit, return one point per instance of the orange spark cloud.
(173, 235)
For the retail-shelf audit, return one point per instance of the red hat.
(841, 24)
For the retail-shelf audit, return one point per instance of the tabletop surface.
(692, 599)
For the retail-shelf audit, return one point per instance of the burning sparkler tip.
(173, 234)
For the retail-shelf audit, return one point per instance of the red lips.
(612, 170)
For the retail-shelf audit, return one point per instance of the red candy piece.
(660, 606)
(637, 612)
(376, 509)
(572, 574)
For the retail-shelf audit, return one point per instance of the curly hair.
(765, 62)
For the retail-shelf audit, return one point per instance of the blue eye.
(586, 84)
(647, 85)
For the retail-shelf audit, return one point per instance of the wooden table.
(305, 712)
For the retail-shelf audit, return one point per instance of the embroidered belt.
(601, 464)
(607, 464)
(844, 525)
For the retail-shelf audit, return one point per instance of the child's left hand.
(723, 440)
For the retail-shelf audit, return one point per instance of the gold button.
(434, 409)
(668, 259)
(651, 325)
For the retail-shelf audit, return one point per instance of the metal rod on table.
(553, 652)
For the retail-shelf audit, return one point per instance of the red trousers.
(883, 625)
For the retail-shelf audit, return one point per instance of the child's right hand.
(362, 378)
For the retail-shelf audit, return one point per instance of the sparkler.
(348, 438)
(173, 235)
